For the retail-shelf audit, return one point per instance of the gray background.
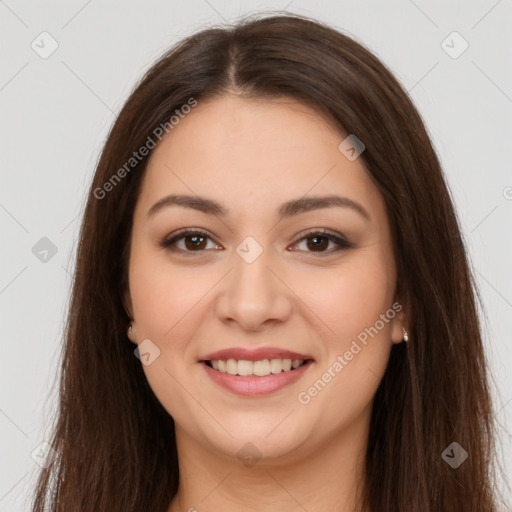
(56, 111)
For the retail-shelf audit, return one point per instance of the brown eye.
(318, 241)
(194, 241)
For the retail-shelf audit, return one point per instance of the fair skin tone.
(252, 156)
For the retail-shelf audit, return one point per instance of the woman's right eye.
(194, 241)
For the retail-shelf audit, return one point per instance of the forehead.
(251, 154)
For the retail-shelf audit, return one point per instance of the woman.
(272, 307)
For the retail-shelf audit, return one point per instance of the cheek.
(168, 310)
(350, 297)
(167, 299)
(353, 301)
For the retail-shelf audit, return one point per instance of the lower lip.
(256, 386)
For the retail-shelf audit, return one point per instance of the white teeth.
(232, 366)
(260, 368)
(245, 367)
(276, 365)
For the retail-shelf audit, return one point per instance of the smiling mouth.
(262, 368)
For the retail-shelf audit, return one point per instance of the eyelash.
(322, 233)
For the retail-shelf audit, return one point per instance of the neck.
(327, 474)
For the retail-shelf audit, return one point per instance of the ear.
(128, 307)
(399, 323)
(127, 303)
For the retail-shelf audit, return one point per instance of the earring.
(406, 336)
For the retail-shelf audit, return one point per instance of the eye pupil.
(320, 245)
(194, 244)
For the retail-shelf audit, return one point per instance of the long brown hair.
(115, 442)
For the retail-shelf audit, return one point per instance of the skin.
(252, 156)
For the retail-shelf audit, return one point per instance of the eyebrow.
(286, 210)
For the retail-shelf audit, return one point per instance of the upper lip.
(254, 355)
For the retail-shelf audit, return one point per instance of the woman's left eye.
(195, 241)
(321, 240)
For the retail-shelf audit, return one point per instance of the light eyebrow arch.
(286, 210)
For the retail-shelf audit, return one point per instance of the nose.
(253, 295)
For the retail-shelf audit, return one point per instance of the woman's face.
(259, 277)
